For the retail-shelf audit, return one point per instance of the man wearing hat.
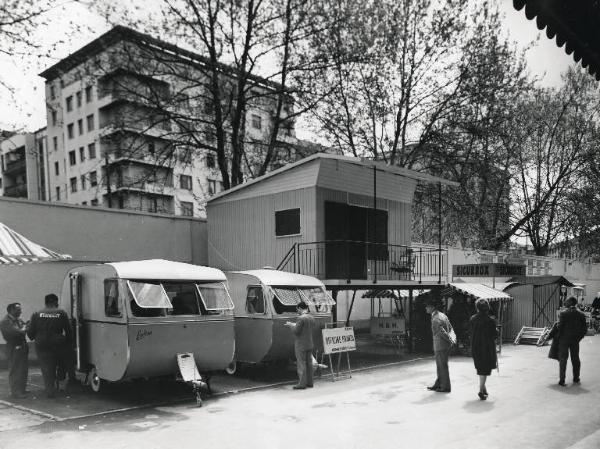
(571, 329)
(442, 342)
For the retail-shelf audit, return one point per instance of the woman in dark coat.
(483, 344)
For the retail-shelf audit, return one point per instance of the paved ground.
(378, 407)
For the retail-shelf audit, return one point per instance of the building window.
(78, 97)
(72, 158)
(92, 150)
(73, 182)
(212, 187)
(81, 154)
(287, 222)
(82, 182)
(256, 121)
(185, 182)
(151, 148)
(55, 143)
(93, 179)
(80, 126)
(84, 203)
(52, 92)
(88, 94)
(56, 168)
(70, 130)
(187, 209)
(57, 193)
(54, 118)
(90, 122)
(94, 202)
(69, 103)
(210, 160)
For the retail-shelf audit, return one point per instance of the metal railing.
(351, 259)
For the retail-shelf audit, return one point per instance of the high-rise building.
(129, 125)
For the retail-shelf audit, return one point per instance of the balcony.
(357, 260)
(141, 184)
(16, 191)
(15, 166)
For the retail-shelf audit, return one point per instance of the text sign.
(339, 339)
(488, 270)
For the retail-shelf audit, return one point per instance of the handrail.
(285, 259)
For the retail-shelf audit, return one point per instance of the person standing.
(13, 331)
(303, 345)
(442, 342)
(483, 344)
(571, 330)
(52, 333)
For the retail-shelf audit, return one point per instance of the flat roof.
(380, 166)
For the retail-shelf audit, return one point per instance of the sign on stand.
(339, 340)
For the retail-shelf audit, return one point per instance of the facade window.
(93, 179)
(55, 143)
(210, 160)
(73, 182)
(84, 203)
(256, 121)
(80, 126)
(90, 122)
(72, 158)
(287, 222)
(185, 182)
(57, 193)
(70, 133)
(56, 168)
(92, 150)
(94, 202)
(54, 118)
(82, 182)
(187, 209)
(78, 97)
(151, 148)
(69, 103)
(81, 154)
(52, 92)
(212, 187)
(88, 94)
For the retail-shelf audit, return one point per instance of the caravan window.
(255, 302)
(215, 298)
(184, 298)
(286, 299)
(112, 306)
(318, 298)
(149, 300)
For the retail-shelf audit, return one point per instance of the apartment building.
(23, 168)
(125, 131)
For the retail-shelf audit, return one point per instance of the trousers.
(564, 348)
(18, 367)
(443, 373)
(304, 367)
(49, 362)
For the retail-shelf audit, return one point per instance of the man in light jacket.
(441, 329)
(303, 345)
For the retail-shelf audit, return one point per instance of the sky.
(27, 110)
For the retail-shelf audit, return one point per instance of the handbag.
(553, 353)
(452, 336)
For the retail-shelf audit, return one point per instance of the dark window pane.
(287, 222)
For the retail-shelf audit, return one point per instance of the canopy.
(477, 291)
(393, 294)
(17, 250)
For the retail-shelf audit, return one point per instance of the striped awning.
(477, 291)
(17, 250)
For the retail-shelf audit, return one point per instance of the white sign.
(339, 339)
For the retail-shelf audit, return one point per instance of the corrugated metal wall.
(519, 310)
(546, 299)
(241, 234)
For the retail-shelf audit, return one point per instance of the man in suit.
(17, 351)
(440, 328)
(571, 329)
(303, 345)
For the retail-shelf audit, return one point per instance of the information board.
(339, 339)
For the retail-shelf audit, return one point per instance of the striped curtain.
(17, 250)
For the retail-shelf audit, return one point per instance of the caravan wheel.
(231, 368)
(95, 381)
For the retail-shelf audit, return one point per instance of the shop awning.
(17, 250)
(477, 291)
(395, 294)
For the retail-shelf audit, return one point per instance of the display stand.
(338, 341)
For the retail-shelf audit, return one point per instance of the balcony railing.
(358, 260)
(13, 166)
(16, 191)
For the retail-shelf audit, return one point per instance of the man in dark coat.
(440, 329)
(17, 351)
(571, 329)
(52, 333)
(303, 345)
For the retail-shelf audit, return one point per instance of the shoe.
(485, 392)
(432, 388)
(482, 396)
(577, 380)
(562, 383)
(440, 390)
(299, 387)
